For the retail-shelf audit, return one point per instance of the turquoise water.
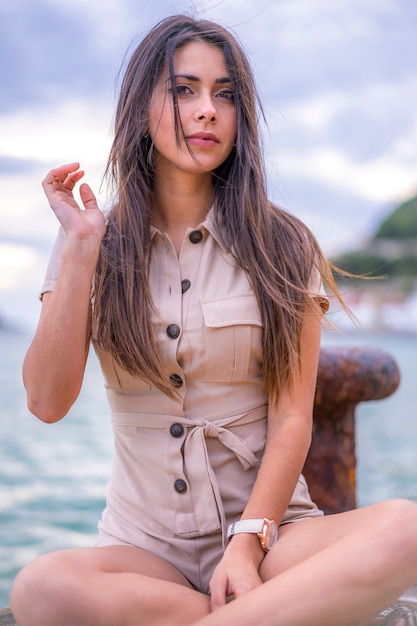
(52, 477)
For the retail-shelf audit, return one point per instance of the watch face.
(270, 534)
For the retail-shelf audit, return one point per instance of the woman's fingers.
(72, 179)
(65, 174)
(59, 185)
(87, 196)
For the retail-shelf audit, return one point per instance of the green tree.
(401, 224)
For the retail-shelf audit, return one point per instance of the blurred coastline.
(381, 309)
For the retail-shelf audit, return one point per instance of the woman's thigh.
(114, 559)
(104, 585)
(387, 526)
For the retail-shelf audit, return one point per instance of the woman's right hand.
(77, 222)
(54, 365)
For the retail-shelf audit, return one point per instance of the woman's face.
(206, 108)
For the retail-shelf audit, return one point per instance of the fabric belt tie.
(209, 514)
(206, 513)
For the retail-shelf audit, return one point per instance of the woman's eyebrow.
(196, 79)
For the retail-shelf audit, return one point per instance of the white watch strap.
(245, 526)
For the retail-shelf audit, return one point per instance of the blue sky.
(337, 78)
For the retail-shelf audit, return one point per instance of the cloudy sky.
(337, 78)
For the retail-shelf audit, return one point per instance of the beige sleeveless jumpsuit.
(184, 469)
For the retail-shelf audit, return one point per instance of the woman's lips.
(205, 140)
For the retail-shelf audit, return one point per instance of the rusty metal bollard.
(346, 377)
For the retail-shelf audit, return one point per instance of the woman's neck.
(180, 202)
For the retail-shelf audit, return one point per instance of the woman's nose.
(206, 111)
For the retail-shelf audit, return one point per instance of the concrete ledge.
(6, 618)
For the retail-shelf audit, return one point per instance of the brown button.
(173, 331)
(180, 485)
(196, 236)
(177, 430)
(176, 380)
(185, 285)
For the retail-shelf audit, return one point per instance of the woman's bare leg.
(334, 571)
(104, 586)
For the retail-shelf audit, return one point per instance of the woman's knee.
(400, 515)
(42, 588)
(397, 531)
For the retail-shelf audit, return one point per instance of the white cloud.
(382, 180)
(75, 131)
(302, 24)
(59, 133)
(13, 261)
(361, 142)
(317, 113)
(21, 275)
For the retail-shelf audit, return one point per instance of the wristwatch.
(266, 529)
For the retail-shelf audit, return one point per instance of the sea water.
(52, 477)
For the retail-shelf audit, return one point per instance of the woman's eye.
(227, 94)
(182, 90)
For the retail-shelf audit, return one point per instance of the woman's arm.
(287, 444)
(289, 433)
(54, 365)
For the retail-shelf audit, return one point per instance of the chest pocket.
(232, 339)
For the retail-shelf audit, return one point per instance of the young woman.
(204, 305)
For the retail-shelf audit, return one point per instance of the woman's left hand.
(238, 571)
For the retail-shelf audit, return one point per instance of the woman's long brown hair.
(274, 248)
